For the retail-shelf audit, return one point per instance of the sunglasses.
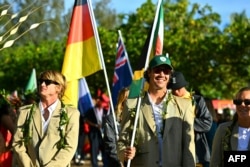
(238, 102)
(47, 82)
(158, 70)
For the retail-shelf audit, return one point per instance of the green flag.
(32, 84)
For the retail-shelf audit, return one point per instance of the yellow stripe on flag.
(138, 74)
(71, 93)
(81, 59)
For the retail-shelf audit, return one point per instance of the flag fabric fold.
(82, 55)
(123, 72)
(32, 83)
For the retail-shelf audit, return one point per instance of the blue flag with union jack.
(123, 73)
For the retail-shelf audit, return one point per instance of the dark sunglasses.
(238, 102)
(158, 70)
(47, 82)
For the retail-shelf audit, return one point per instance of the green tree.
(106, 17)
(17, 62)
(196, 45)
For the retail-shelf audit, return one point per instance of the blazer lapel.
(171, 109)
(235, 136)
(38, 121)
(147, 112)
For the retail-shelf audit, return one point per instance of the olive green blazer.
(178, 149)
(218, 143)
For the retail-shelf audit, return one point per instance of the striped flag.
(85, 101)
(123, 72)
(159, 33)
(153, 46)
(83, 51)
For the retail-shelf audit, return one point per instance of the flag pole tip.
(167, 55)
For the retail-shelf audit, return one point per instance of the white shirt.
(51, 109)
(158, 112)
(243, 139)
(99, 115)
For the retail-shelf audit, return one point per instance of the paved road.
(87, 163)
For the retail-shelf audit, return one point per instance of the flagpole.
(102, 63)
(92, 16)
(152, 36)
(125, 51)
(146, 65)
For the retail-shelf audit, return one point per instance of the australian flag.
(123, 73)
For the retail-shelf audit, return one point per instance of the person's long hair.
(122, 97)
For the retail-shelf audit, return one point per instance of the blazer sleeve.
(126, 130)
(110, 140)
(217, 148)
(188, 155)
(23, 159)
(203, 120)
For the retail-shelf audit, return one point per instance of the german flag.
(82, 56)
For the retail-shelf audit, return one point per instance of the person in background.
(47, 132)
(95, 119)
(80, 154)
(8, 118)
(164, 134)
(122, 97)
(233, 135)
(110, 136)
(227, 115)
(203, 119)
(210, 134)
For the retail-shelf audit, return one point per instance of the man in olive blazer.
(178, 135)
(42, 149)
(164, 133)
(47, 131)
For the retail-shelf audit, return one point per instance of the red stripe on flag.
(81, 26)
(121, 63)
(119, 52)
(158, 46)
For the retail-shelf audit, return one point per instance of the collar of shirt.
(187, 95)
(51, 108)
